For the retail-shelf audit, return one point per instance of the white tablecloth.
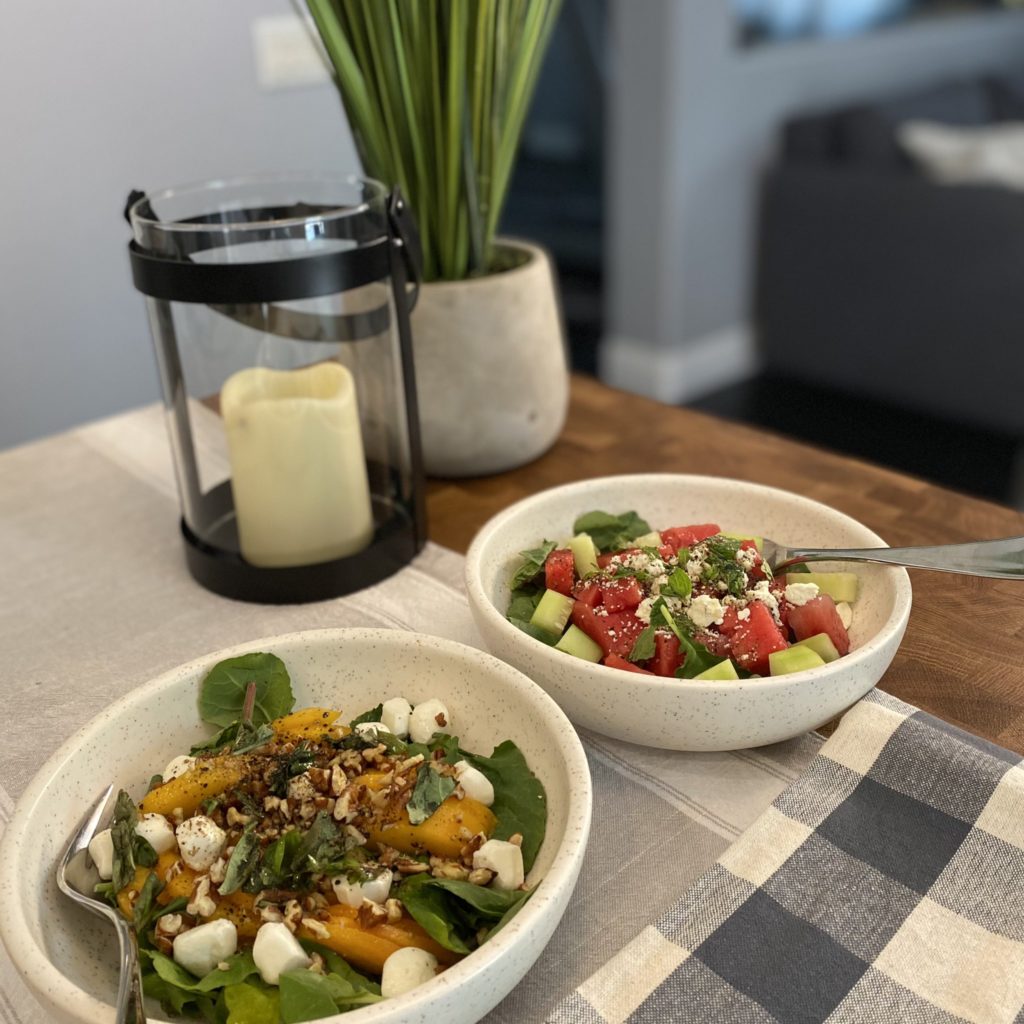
(96, 600)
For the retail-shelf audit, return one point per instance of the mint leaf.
(533, 563)
(611, 532)
(680, 584)
(431, 790)
(643, 647)
(222, 694)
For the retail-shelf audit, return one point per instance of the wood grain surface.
(963, 655)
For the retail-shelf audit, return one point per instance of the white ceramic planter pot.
(491, 372)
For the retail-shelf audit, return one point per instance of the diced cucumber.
(794, 659)
(758, 541)
(579, 645)
(840, 586)
(584, 555)
(821, 644)
(648, 540)
(723, 670)
(552, 612)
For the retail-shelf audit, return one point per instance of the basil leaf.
(611, 532)
(373, 715)
(520, 803)
(222, 693)
(643, 646)
(243, 861)
(430, 910)
(275, 868)
(533, 563)
(322, 844)
(142, 912)
(431, 790)
(251, 1004)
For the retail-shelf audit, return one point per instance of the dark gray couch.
(872, 279)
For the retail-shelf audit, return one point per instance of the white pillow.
(989, 155)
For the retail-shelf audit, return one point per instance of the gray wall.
(693, 121)
(96, 99)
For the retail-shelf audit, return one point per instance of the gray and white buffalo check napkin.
(886, 884)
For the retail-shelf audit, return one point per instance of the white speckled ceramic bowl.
(68, 957)
(689, 715)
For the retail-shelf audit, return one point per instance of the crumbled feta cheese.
(705, 610)
(743, 614)
(845, 613)
(800, 593)
(747, 558)
(643, 610)
(762, 593)
(695, 567)
(406, 969)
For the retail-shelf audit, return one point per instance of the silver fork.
(1001, 559)
(77, 878)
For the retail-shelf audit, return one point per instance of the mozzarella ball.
(157, 831)
(369, 730)
(101, 849)
(178, 766)
(504, 859)
(395, 715)
(200, 949)
(352, 894)
(276, 950)
(427, 718)
(406, 969)
(474, 783)
(200, 840)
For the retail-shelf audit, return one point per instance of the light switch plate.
(286, 54)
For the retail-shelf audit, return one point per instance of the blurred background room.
(802, 214)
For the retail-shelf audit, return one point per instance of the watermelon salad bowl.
(642, 605)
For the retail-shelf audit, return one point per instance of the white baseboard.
(683, 373)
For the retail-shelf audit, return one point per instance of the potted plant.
(436, 93)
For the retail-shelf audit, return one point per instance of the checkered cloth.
(887, 884)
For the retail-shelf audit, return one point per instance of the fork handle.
(130, 1007)
(1001, 559)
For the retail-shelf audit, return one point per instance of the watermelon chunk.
(615, 661)
(677, 537)
(618, 595)
(559, 571)
(667, 656)
(755, 638)
(819, 615)
(615, 632)
(588, 594)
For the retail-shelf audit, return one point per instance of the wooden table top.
(963, 655)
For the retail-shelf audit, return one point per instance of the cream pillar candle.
(298, 472)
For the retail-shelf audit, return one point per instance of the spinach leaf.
(373, 715)
(249, 1003)
(609, 532)
(533, 563)
(337, 965)
(177, 1001)
(431, 790)
(430, 909)
(523, 603)
(307, 996)
(488, 904)
(643, 646)
(520, 803)
(240, 967)
(222, 693)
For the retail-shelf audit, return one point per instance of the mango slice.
(209, 778)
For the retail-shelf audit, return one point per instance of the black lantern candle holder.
(279, 308)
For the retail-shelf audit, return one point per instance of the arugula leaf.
(251, 1004)
(337, 965)
(449, 745)
(222, 693)
(243, 861)
(533, 563)
(373, 715)
(610, 532)
(643, 646)
(520, 803)
(178, 1002)
(308, 996)
(431, 790)
(240, 967)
